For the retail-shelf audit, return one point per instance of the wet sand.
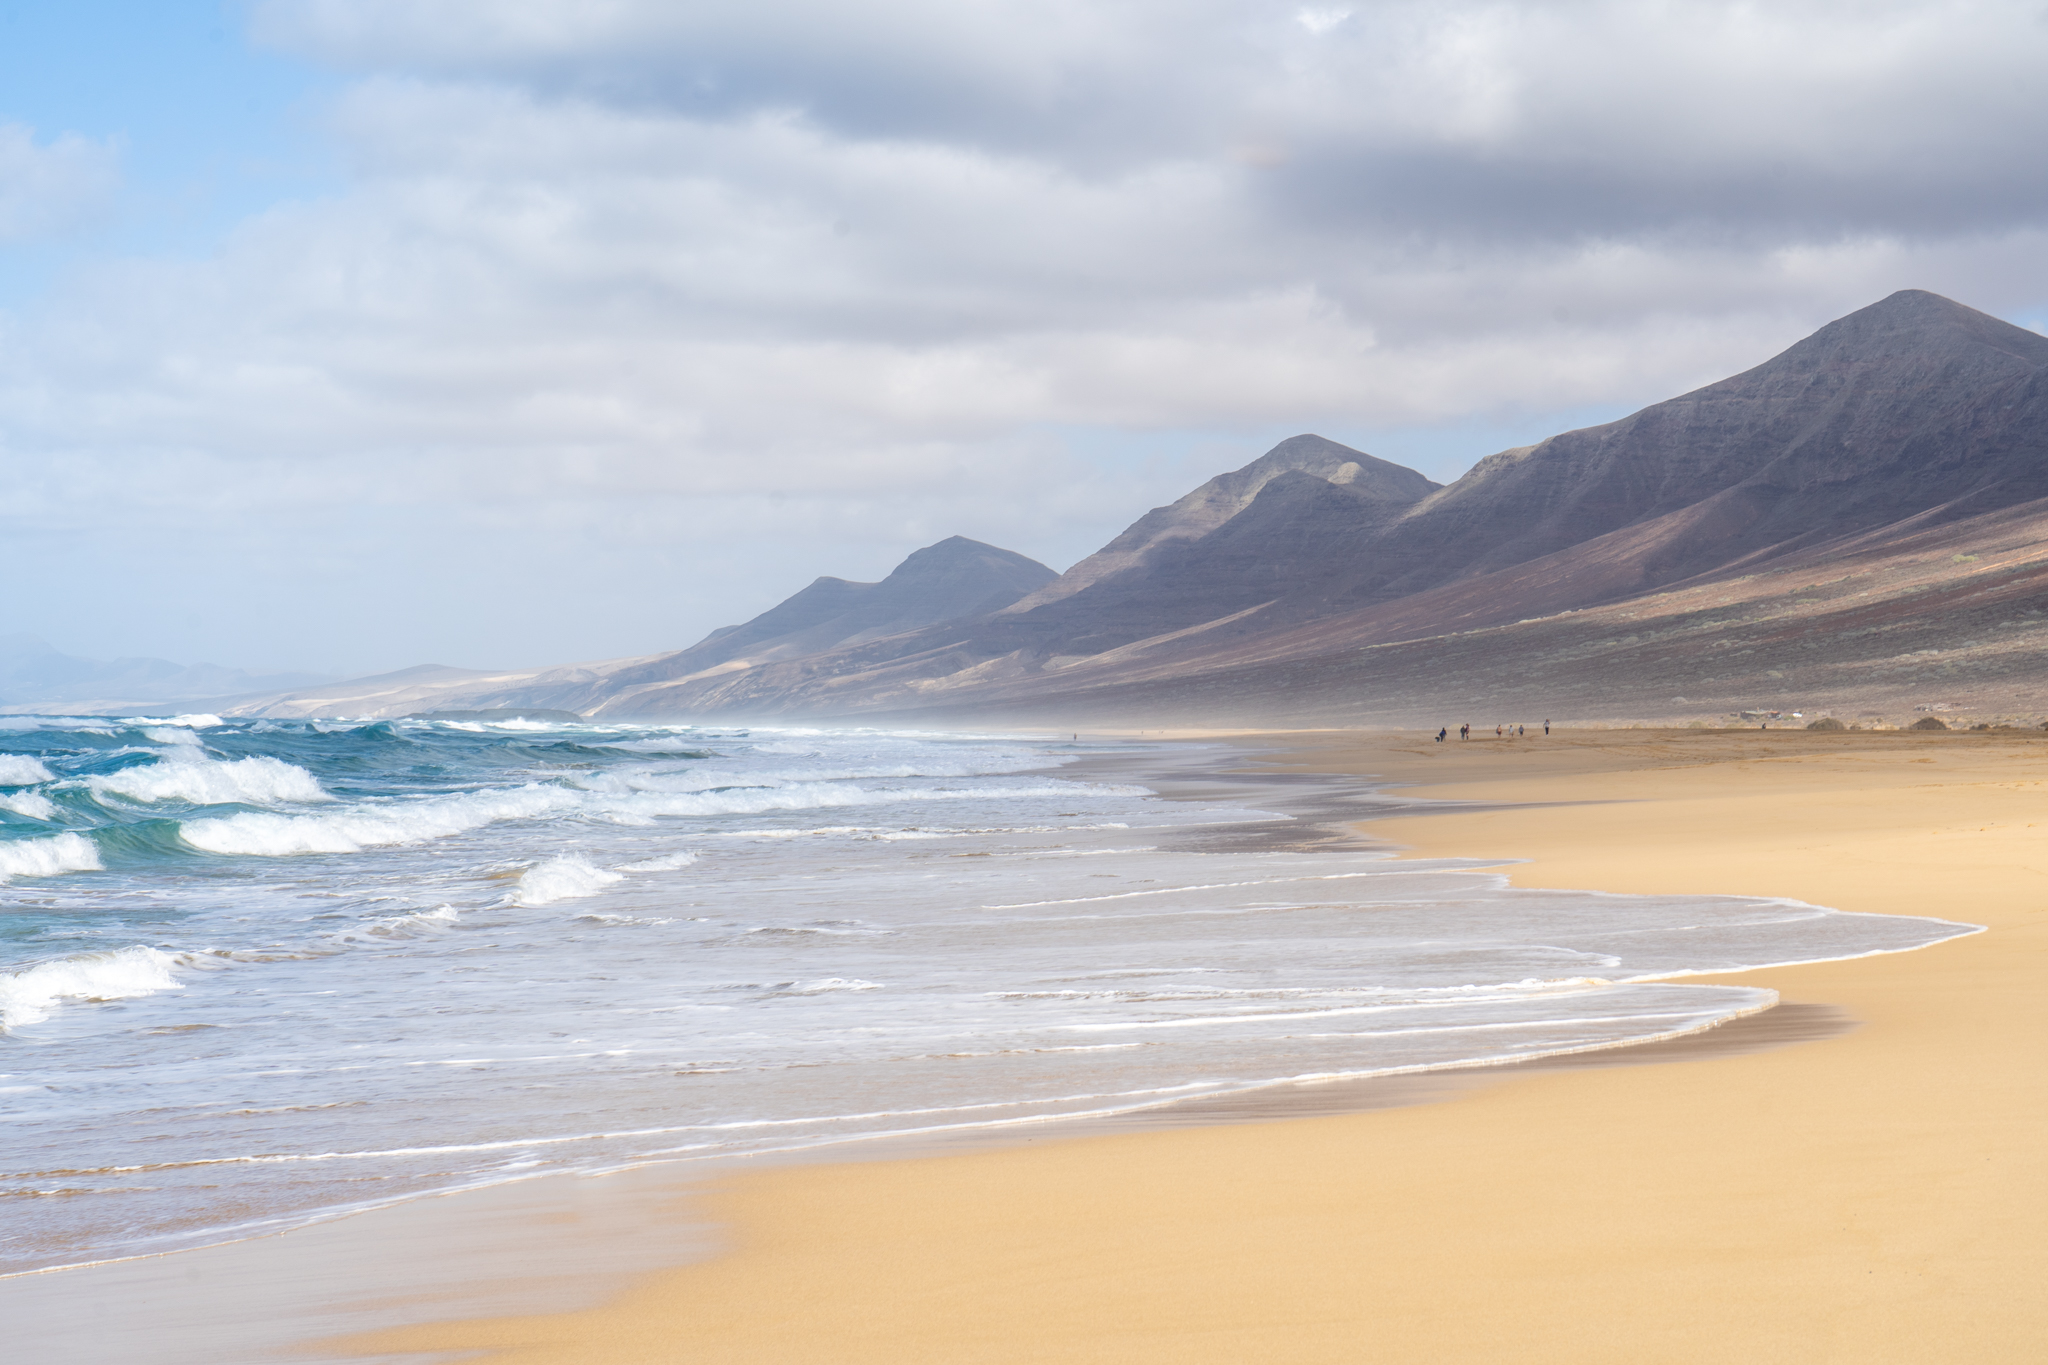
(1873, 1193)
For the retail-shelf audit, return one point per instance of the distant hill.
(35, 676)
(1854, 522)
(955, 578)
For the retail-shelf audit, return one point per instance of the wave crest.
(49, 857)
(22, 770)
(30, 996)
(258, 781)
(34, 805)
(380, 826)
(420, 819)
(563, 878)
(670, 862)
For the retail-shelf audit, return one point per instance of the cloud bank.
(633, 316)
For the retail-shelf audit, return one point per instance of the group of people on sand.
(1499, 732)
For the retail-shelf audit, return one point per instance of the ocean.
(258, 973)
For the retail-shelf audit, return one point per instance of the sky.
(345, 335)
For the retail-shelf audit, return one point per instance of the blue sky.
(207, 127)
(351, 334)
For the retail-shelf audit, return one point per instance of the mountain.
(955, 578)
(1154, 537)
(1857, 523)
(1913, 418)
(35, 676)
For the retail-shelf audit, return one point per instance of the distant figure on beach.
(1521, 730)
(1442, 734)
(1496, 732)
(1465, 730)
(1546, 727)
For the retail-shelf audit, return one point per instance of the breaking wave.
(420, 819)
(30, 995)
(19, 770)
(34, 805)
(258, 781)
(563, 878)
(48, 857)
(373, 826)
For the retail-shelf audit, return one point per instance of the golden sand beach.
(1879, 1195)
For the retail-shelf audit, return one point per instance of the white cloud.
(780, 289)
(54, 186)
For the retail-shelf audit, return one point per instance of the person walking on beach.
(1546, 728)
(1465, 730)
(1441, 734)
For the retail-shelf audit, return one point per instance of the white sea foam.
(824, 796)
(690, 779)
(680, 744)
(669, 862)
(258, 781)
(564, 878)
(30, 995)
(49, 857)
(416, 820)
(379, 825)
(405, 926)
(180, 738)
(387, 929)
(34, 805)
(20, 770)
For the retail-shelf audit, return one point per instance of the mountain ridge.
(1915, 417)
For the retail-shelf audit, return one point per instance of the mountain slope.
(1911, 403)
(1910, 414)
(1218, 501)
(955, 578)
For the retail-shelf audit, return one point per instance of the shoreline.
(1804, 1198)
(689, 1246)
(180, 1304)
(1313, 812)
